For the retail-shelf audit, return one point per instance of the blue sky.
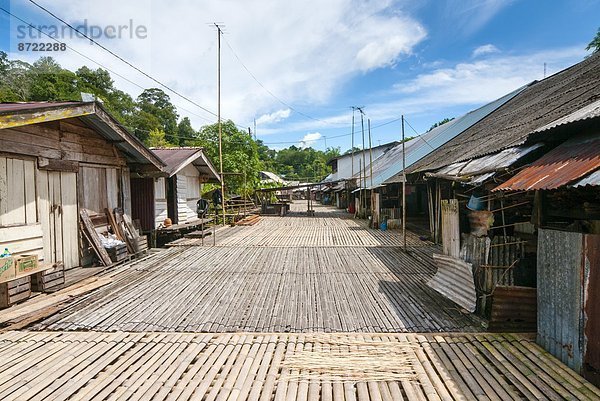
(312, 60)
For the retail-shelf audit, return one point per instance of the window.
(18, 204)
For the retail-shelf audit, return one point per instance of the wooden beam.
(58, 165)
(36, 116)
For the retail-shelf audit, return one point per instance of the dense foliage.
(153, 118)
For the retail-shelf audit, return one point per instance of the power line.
(92, 60)
(271, 93)
(123, 60)
(418, 135)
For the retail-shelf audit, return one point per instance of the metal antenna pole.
(219, 121)
(403, 188)
(370, 154)
(352, 148)
(364, 160)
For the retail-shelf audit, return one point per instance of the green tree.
(441, 122)
(15, 82)
(240, 154)
(594, 45)
(186, 134)
(156, 139)
(50, 82)
(157, 103)
(99, 83)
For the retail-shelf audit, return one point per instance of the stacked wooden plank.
(249, 220)
(255, 366)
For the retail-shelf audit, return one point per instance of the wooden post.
(219, 121)
(403, 188)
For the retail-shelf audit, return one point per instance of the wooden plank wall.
(67, 139)
(48, 201)
(19, 240)
(17, 192)
(160, 202)
(188, 193)
(20, 230)
(126, 190)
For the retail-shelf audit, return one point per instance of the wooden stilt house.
(57, 159)
(176, 195)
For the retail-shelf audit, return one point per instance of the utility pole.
(255, 129)
(370, 154)
(403, 188)
(219, 32)
(364, 160)
(352, 148)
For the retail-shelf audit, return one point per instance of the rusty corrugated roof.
(564, 164)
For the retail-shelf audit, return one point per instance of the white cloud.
(273, 117)
(465, 85)
(484, 80)
(468, 16)
(485, 49)
(309, 139)
(301, 55)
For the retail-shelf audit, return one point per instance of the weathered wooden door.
(58, 214)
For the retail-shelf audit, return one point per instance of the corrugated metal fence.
(567, 269)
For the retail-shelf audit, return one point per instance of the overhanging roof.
(480, 169)
(177, 159)
(387, 168)
(568, 162)
(540, 104)
(92, 114)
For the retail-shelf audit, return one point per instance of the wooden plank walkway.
(269, 289)
(299, 231)
(254, 366)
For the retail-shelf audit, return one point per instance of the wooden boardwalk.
(250, 366)
(294, 308)
(269, 289)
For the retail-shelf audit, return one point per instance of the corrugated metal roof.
(178, 158)
(387, 168)
(592, 180)
(585, 113)
(12, 107)
(538, 105)
(564, 164)
(484, 167)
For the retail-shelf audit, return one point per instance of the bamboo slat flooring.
(297, 231)
(229, 289)
(258, 366)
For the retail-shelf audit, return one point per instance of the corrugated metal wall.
(142, 202)
(565, 263)
(591, 358)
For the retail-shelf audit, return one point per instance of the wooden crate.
(142, 243)
(26, 264)
(7, 268)
(14, 291)
(117, 253)
(48, 280)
